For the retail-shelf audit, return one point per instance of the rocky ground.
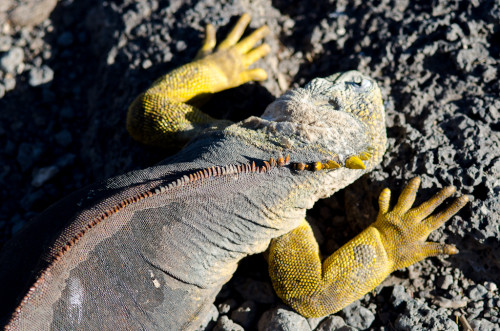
(66, 82)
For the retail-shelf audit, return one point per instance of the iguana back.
(151, 249)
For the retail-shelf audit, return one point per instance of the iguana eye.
(366, 84)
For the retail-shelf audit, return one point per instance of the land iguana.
(150, 249)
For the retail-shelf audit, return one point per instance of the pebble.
(42, 175)
(5, 43)
(492, 287)
(314, 322)
(28, 154)
(331, 323)
(65, 160)
(474, 312)
(245, 314)
(67, 113)
(467, 59)
(28, 13)
(454, 32)
(454, 303)
(282, 318)
(180, 45)
(63, 138)
(399, 295)
(357, 316)
(9, 82)
(226, 306)
(482, 324)
(18, 223)
(444, 282)
(65, 39)
(477, 292)
(40, 75)
(12, 59)
(147, 64)
(225, 324)
(419, 316)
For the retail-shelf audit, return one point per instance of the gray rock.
(399, 295)
(357, 316)
(18, 223)
(444, 282)
(477, 292)
(482, 324)
(63, 138)
(314, 321)
(5, 43)
(467, 59)
(12, 59)
(66, 39)
(9, 82)
(31, 12)
(40, 75)
(489, 73)
(454, 32)
(282, 318)
(67, 112)
(2, 90)
(42, 175)
(245, 314)
(146, 64)
(418, 316)
(226, 306)
(477, 305)
(180, 45)
(65, 160)
(28, 154)
(490, 286)
(331, 323)
(454, 303)
(225, 324)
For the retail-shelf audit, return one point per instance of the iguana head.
(341, 114)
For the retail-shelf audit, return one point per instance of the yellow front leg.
(396, 240)
(166, 111)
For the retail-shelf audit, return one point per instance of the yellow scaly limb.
(166, 111)
(395, 240)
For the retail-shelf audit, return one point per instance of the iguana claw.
(404, 230)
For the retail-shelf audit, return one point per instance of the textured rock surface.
(65, 85)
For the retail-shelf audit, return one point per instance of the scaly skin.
(150, 249)
(165, 112)
(314, 288)
(396, 240)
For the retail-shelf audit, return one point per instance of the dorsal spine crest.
(214, 171)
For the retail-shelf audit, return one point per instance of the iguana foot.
(397, 239)
(167, 111)
(233, 56)
(404, 231)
